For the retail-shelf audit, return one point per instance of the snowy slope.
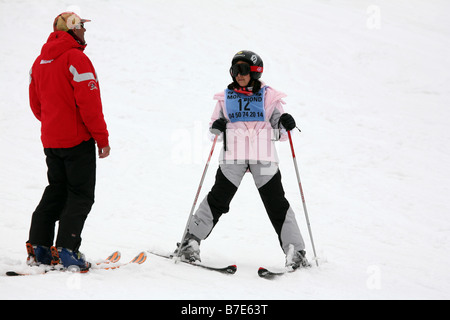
(368, 84)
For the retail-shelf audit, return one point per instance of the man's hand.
(104, 152)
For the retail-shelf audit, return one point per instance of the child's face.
(242, 80)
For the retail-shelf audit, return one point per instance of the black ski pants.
(68, 198)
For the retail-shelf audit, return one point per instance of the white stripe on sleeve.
(77, 77)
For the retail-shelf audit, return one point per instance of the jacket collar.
(57, 43)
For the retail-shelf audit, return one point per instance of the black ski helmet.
(254, 60)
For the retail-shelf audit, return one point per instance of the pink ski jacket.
(252, 140)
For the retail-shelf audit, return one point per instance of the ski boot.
(189, 251)
(296, 259)
(73, 260)
(38, 255)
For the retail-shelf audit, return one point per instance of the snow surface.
(368, 84)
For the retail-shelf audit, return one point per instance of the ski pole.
(196, 198)
(303, 197)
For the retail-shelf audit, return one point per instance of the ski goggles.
(244, 69)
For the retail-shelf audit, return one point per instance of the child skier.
(250, 116)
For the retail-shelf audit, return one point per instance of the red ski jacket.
(65, 94)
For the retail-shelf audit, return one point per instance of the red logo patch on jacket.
(93, 85)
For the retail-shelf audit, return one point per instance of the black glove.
(287, 121)
(218, 126)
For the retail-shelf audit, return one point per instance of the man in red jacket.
(65, 97)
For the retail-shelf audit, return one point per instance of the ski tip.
(144, 257)
(262, 272)
(267, 274)
(232, 269)
(114, 257)
(140, 258)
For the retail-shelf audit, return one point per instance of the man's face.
(79, 31)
